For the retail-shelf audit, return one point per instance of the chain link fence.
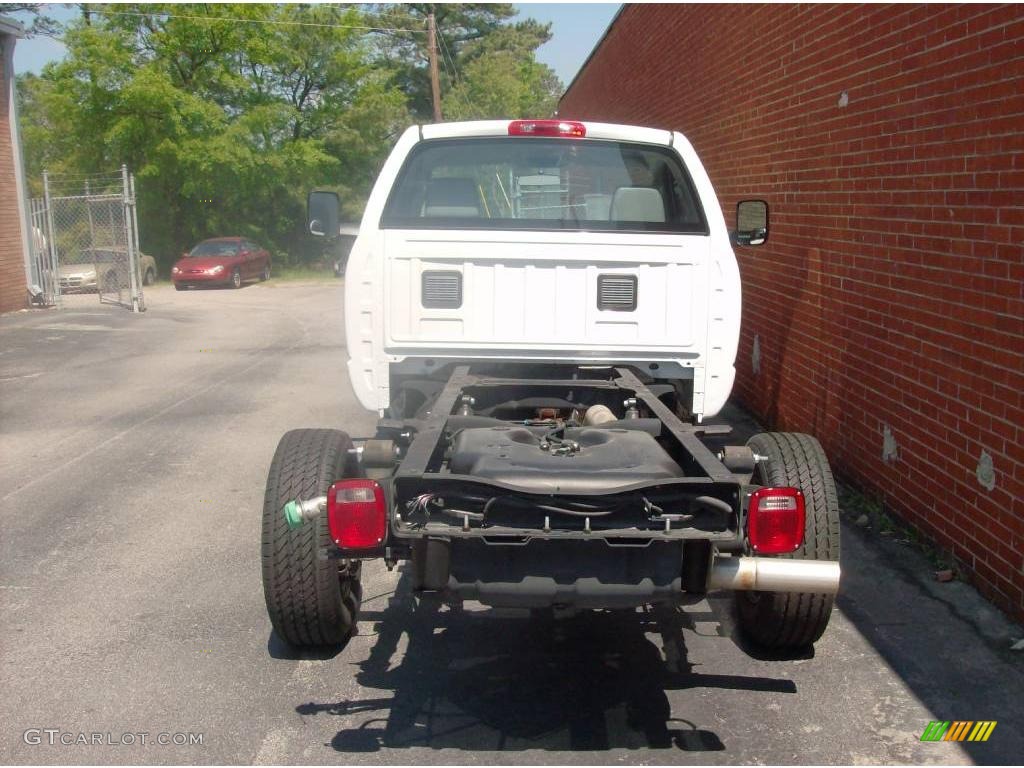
(85, 241)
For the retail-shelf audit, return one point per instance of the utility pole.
(435, 80)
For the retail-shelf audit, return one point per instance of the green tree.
(502, 84)
(468, 33)
(229, 114)
(39, 22)
(500, 77)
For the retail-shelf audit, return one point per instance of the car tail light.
(568, 128)
(357, 514)
(775, 520)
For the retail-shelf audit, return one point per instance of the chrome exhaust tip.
(770, 574)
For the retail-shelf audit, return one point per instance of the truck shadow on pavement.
(489, 680)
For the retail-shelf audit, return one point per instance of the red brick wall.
(890, 291)
(12, 257)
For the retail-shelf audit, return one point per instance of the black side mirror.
(322, 211)
(751, 223)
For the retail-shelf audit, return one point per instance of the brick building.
(13, 227)
(886, 312)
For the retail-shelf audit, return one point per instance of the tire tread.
(310, 601)
(793, 620)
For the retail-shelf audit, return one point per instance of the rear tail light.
(357, 514)
(775, 520)
(567, 128)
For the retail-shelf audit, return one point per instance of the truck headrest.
(452, 197)
(637, 204)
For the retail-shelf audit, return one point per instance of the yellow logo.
(958, 730)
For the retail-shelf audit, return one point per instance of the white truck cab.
(546, 241)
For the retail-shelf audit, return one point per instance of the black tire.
(179, 287)
(265, 274)
(791, 621)
(149, 278)
(311, 601)
(236, 278)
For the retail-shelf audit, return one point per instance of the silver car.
(84, 271)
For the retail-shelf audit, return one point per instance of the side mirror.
(322, 210)
(751, 223)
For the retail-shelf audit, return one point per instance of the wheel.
(149, 278)
(236, 279)
(311, 601)
(794, 620)
(265, 274)
(179, 287)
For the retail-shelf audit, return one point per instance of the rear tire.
(311, 601)
(178, 287)
(794, 620)
(265, 274)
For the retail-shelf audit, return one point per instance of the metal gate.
(85, 240)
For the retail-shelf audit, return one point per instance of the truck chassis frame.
(710, 545)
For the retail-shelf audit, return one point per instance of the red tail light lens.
(357, 514)
(567, 128)
(775, 520)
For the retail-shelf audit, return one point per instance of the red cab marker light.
(357, 514)
(565, 128)
(775, 520)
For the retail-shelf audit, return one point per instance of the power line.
(445, 59)
(435, 79)
(259, 21)
(446, 51)
(455, 76)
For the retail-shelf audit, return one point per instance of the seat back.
(598, 206)
(637, 204)
(452, 197)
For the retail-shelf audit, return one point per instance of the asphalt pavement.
(133, 455)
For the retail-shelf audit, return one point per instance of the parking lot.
(134, 453)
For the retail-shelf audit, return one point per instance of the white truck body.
(531, 295)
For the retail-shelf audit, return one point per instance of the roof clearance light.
(564, 128)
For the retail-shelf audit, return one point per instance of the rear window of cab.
(543, 184)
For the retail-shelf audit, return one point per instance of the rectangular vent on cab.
(616, 293)
(442, 290)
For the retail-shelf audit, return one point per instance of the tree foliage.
(467, 33)
(40, 22)
(230, 113)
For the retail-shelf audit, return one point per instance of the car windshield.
(534, 183)
(214, 248)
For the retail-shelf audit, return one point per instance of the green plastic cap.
(292, 514)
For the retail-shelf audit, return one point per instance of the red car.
(221, 261)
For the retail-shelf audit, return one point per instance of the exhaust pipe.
(770, 574)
